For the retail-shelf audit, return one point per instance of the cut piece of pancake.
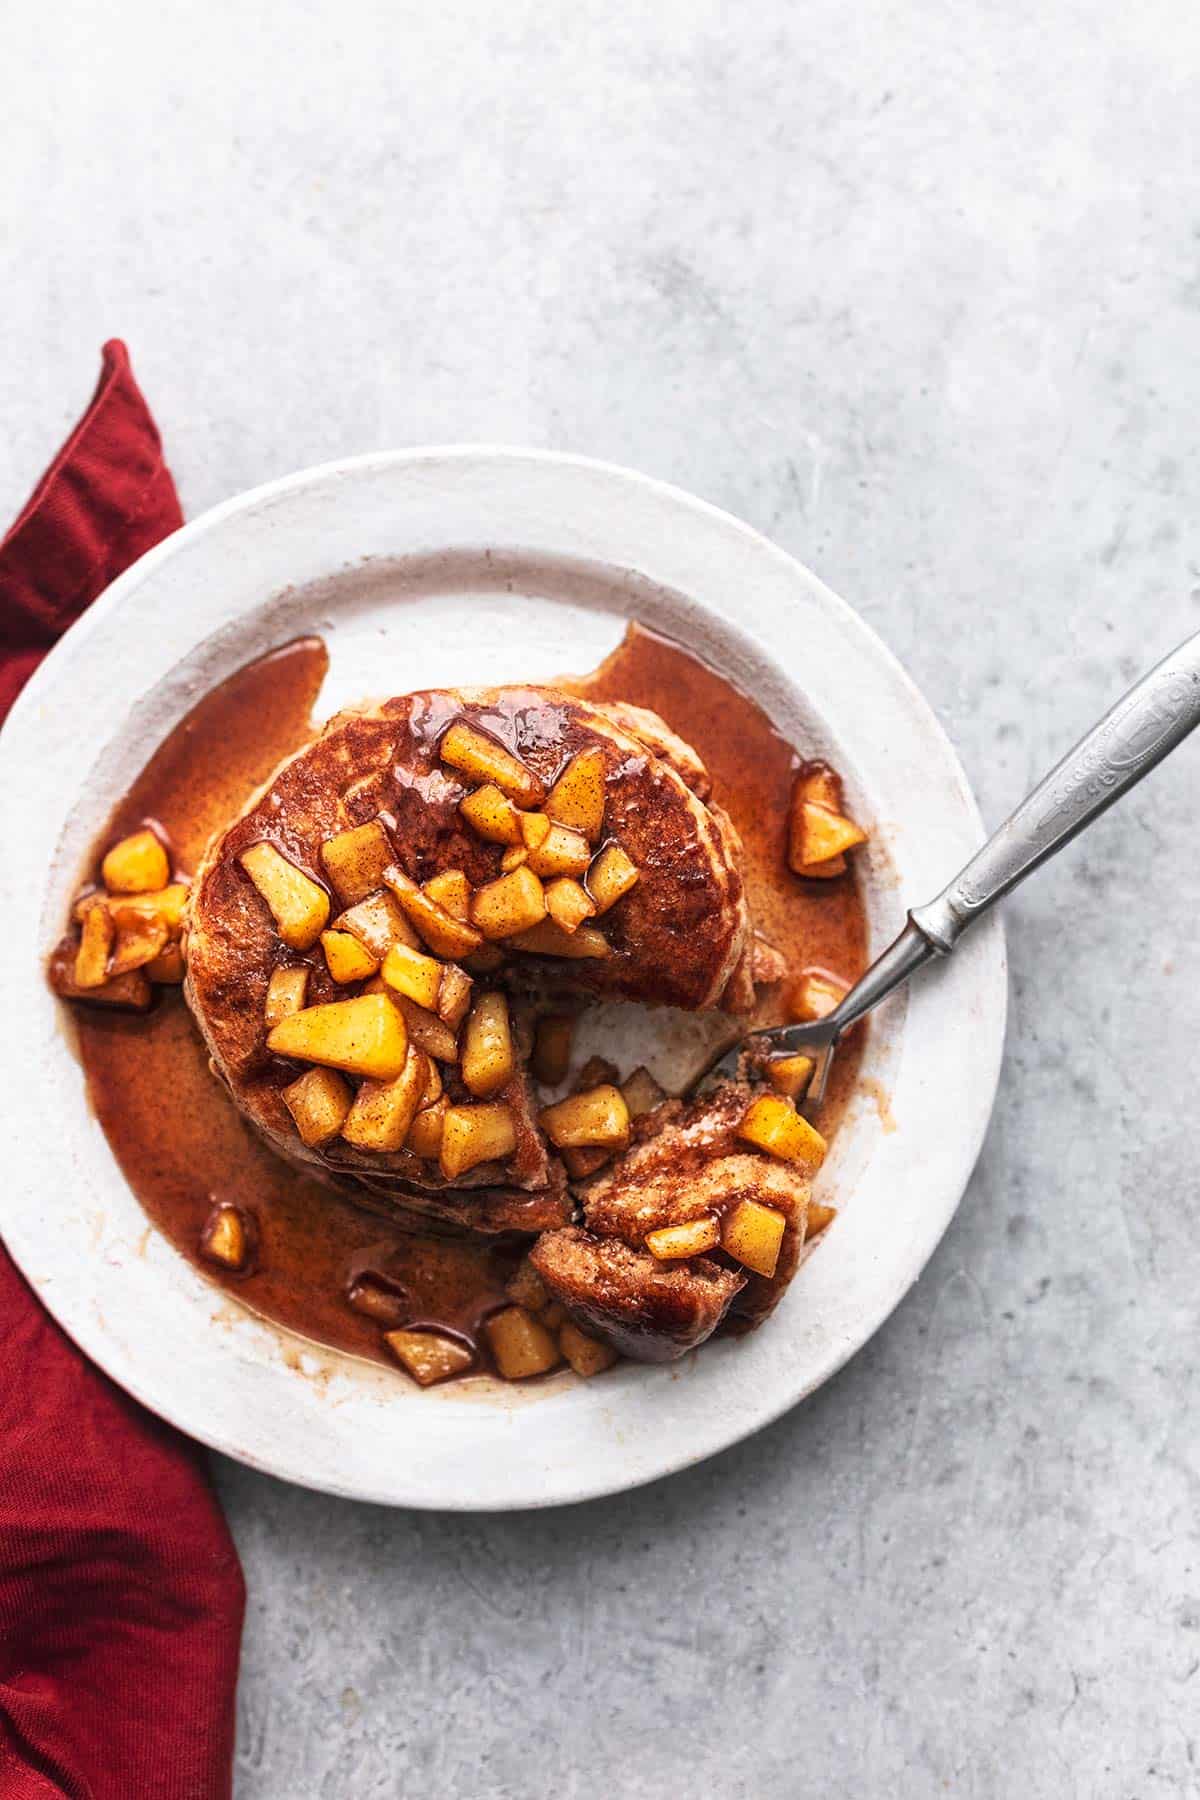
(678, 935)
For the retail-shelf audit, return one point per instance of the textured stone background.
(915, 288)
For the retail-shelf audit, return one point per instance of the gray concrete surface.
(915, 288)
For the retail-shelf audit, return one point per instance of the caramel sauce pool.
(178, 1139)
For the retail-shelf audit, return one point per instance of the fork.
(1145, 725)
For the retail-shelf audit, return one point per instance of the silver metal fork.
(1145, 725)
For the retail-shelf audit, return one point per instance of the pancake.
(679, 937)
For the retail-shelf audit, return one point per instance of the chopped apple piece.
(428, 1356)
(520, 1344)
(752, 1234)
(814, 995)
(577, 797)
(454, 996)
(168, 967)
(772, 1123)
(346, 957)
(383, 1111)
(285, 994)
(580, 1164)
(568, 903)
(96, 936)
(509, 905)
(642, 1093)
(434, 1087)
(818, 838)
(140, 937)
(377, 1298)
(427, 1031)
(476, 1134)
(484, 961)
(298, 905)
(364, 1036)
(611, 875)
(443, 933)
(817, 1218)
(790, 1075)
(488, 1060)
(526, 1288)
(515, 857)
(131, 992)
(318, 1103)
(549, 939)
(587, 1355)
(378, 922)
(452, 891)
(412, 973)
(561, 852)
(484, 760)
(492, 815)
(595, 1119)
(816, 781)
(671, 1242)
(535, 829)
(226, 1237)
(425, 1133)
(355, 860)
(552, 1048)
(136, 865)
(166, 904)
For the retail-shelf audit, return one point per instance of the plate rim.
(993, 965)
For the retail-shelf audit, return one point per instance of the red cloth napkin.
(121, 1596)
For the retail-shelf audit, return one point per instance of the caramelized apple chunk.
(610, 876)
(140, 937)
(131, 993)
(96, 936)
(488, 1057)
(452, 891)
(346, 958)
(508, 906)
(443, 933)
(819, 832)
(535, 829)
(429, 1356)
(427, 1031)
(549, 939)
(483, 760)
(670, 1242)
(772, 1123)
(298, 905)
(413, 974)
(454, 996)
(752, 1234)
(598, 1118)
(383, 1111)
(642, 1093)
(561, 852)
(226, 1238)
(492, 815)
(577, 798)
(136, 865)
(376, 1297)
(355, 860)
(475, 1134)
(817, 1219)
(586, 1355)
(425, 1133)
(365, 1036)
(521, 1344)
(790, 1075)
(814, 995)
(285, 994)
(568, 903)
(378, 922)
(318, 1103)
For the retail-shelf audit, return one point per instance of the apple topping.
(752, 1234)
(365, 1036)
(790, 1075)
(383, 1111)
(521, 1344)
(588, 1356)
(670, 1242)
(485, 761)
(475, 1134)
(568, 904)
(577, 798)
(355, 860)
(378, 922)
(492, 815)
(426, 1030)
(454, 996)
(515, 857)
(318, 1103)
(819, 832)
(772, 1123)
(642, 1093)
(227, 1237)
(139, 938)
(285, 994)
(96, 936)
(547, 938)
(817, 1218)
(298, 905)
(378, 1298)
(561, 852)
(610, 876)
(131, 992)
(346, 958)
(429, 1356)
(814, 995)
(535, 829)
(488, 1058)
(452, 891)
(413, 974)
(443, 933)
(552, 1048)
(509, 905)
(425, 1133)
(165, 903)
(597, 1118)
(136, 865)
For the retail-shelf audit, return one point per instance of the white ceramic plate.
(576, 548)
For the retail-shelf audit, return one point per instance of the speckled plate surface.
(478, 565)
